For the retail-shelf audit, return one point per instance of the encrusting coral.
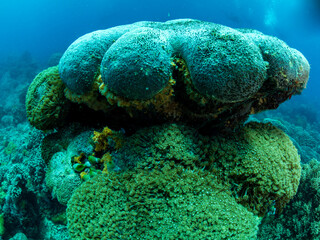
(107, 139)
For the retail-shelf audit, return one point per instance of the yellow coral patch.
(83, 174)
(106, 159)
(101, 139)
(92, 98)
(163, 102)
(78, 159)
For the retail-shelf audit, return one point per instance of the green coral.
(262, 164)
(46, 104)
(2, 229)
(169, 203)
(259, 160)
(172, 175)
(300, 219)
(60, 218)
(10, 148)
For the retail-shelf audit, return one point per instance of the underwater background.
(34, 35)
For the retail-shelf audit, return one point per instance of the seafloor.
(29, 209)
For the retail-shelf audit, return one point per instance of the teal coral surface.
(144, 133)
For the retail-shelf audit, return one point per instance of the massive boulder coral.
(185, 70)
(161, 179)
(81, 61)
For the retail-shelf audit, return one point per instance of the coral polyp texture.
(185, 70)
(176, 158)
(172, 203)
(174, 183)
(45, 102)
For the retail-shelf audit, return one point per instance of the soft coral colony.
(185, 166)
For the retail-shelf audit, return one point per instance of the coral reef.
(19, 236)
(171, 162)
(199, 73)
(262, 163)
(176, 160)
(45, 103)
(300, 218)
(259, 179)
(300, 122)
(145, 56)
(90, 48)
(49, 230)
(61, 179)
(12, 102)
(16, 74)
(24, 197)
(170, 203)
(107, 139)
(20, 206)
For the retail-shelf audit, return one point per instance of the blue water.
(31, 31)
(45, 27)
